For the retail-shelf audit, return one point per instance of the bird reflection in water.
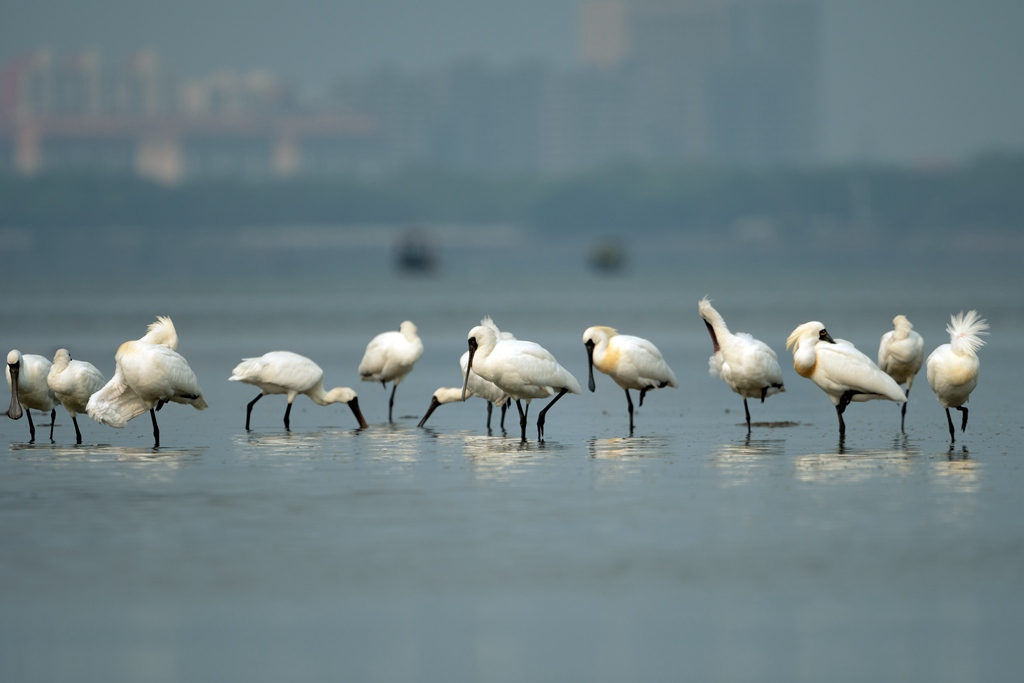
(628, 447)
(501, 459)
(854, 465)
(742, 462)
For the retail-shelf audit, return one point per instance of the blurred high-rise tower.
(721, 81)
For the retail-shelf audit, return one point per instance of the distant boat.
(415, 252)
(607, 256)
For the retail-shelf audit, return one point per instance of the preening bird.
(839, 369)
(26, 377)
(73, 382)
(900, 355)
(522, 369)
(284, 372)
(631, 362)
(748, 366)
(389, 357)
(953, 368)
(475, 386)
(148, 374)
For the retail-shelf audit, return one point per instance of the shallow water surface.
(448, 553)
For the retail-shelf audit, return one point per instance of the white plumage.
(148, 374)
(900, 355)
(631, 362)
(748, 366)
(284, 372)
(26, 378)
(522, 369)
(953, 368)
(475, 386)
(390, 356)
(73, 382)
(839, 369)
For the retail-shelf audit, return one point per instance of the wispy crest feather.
(964, 329)
(162, 332)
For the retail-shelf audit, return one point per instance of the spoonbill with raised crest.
(26, 376)
(631, 362)
(73, 382)
(900, 355)
(522, 369)
(475, 386)
(839, 369)
(284, 372)
(748, 366)
(389, 357)
(148, 374)
(953, 368)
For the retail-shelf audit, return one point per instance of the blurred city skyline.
(906, 81)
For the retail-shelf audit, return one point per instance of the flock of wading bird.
(500, 368)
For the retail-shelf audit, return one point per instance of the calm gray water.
(688, 551)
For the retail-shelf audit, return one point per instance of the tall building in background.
(716, 81)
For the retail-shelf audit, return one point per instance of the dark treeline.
(987, 192)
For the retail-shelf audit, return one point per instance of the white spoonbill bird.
(953, 368)
(148, 373)
(389, 357)
(284, 372)
(900, 355)
(748, 366)
(632, 362)
(522, 369)
(475, 386)
(73, 382)
(26, 376)
(839, 369)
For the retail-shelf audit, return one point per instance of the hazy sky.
(905, 80)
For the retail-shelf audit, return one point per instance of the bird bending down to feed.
(475, 386)
(839, 369)
(748, 366)
(953, 368)
(900, 355)
(148, 374)
(631, 362)
(389, 357)
(284, 372)
(522, 369)
(73, 382)
(26, 377)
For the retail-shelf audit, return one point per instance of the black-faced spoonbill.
(26, 376)
(284, 372)
(839, 369)
(748, 366)
(148, 374)
(900, 355)
(632, 362)
(475, 386)
(953, 368)
(389, 357)
(522, 369)
(73, 382)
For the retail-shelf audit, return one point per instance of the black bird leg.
(629, 402)
(248, 410)
(156, 429)
(522, 418)
(543, 413)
